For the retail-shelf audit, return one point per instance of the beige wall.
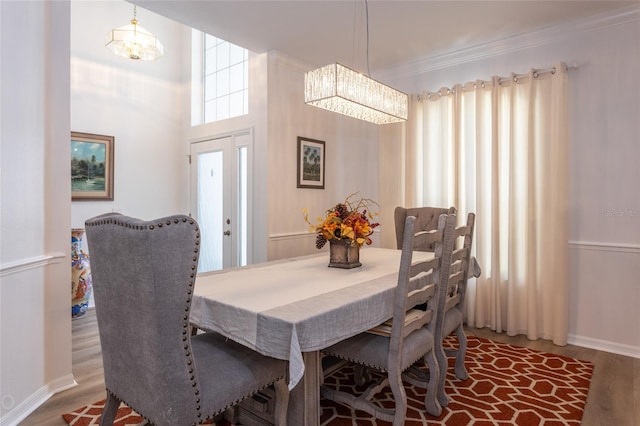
(391, 165)
(351, 148)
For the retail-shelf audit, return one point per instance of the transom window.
(220, 79)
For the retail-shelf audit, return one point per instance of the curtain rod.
(515, 77)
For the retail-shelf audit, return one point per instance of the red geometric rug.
(507, 385)
(90, 415)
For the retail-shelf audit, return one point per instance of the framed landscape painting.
(91, 166)
(311, 156)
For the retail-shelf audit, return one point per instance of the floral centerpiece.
(351, 220)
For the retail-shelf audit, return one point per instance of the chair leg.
(282, 402)
(442, 369)
(109, 411)
(431, 397)
(461, 371)
(362, 374)
(399, 397)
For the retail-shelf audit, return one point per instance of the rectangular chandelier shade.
(340, 89)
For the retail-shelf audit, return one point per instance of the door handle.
(227, 233)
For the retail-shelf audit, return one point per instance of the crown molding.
(523, 41)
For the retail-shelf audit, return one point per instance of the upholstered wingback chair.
(426, 220)
(144, 274)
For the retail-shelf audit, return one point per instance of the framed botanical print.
(311, 160)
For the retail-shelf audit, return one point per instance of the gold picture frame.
(91, 167)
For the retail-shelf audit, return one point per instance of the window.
(220, 79)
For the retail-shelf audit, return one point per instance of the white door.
(220, 200)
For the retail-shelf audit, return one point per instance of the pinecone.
(342, 211)
(320, 241)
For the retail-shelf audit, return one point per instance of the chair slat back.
(455, 290)
(419, 283)
(426, 220)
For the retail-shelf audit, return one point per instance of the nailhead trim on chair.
(187, 346)
(377, 367)
(185, 325)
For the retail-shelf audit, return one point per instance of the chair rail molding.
(605, 246)
(291, 235)
(30, 263)
(299, 234)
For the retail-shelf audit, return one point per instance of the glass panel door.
(212, 203)
(220, 198)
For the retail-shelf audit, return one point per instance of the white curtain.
(499, 148)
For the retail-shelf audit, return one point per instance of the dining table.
(293, 308)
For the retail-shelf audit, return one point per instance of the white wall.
(35, 320)
(139, 103)
(604, 152)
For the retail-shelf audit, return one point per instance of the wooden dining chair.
(144, 274)
(451, 305)
(409, 335)
(426, 220)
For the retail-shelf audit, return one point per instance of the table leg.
(304, 400)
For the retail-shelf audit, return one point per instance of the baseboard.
(29, 405)
(604, 345)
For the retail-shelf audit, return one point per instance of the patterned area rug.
(90, 415)
(507, 385)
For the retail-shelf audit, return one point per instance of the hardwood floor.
(614, 395)
(87, 371)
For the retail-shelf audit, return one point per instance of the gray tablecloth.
(282, 309)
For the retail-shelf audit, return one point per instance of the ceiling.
(400, 32)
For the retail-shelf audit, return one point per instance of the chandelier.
(134, 42)
(340, 89)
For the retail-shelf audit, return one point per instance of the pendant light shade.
(134, 42)
(340, 89)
